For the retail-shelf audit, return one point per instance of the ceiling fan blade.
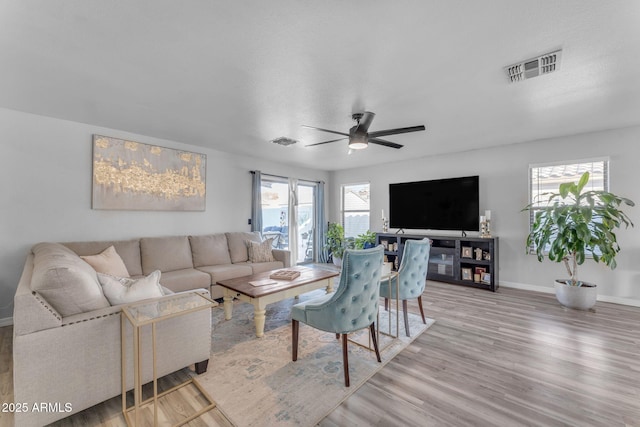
(365, 121)
(395, 131)
(385, 143)
(326, 130)
(325, 142)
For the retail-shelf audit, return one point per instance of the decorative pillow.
(237, 242)
(108, 262)
(124, 290)
(65, 281)
(260, 252)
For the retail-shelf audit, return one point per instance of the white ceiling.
(232, 75)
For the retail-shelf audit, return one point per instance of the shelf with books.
(452, 259)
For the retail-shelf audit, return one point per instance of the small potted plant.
(365, 240)
(573, 226)
(335, 242)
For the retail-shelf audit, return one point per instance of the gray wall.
(503, 175)
(45, 177)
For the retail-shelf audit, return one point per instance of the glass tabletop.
(389, 275)
(164, 308)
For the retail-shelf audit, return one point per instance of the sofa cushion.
(165, 254)
(65, 281)
(124, 290)
(211, 249)
(238, 244)
(184, 280)
(259, 267)
(129, 251)
(107, 262)
(229, 271)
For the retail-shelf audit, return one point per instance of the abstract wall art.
(130, 175)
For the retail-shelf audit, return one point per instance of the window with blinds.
(356, 209)
(546, 178)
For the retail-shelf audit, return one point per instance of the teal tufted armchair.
(352, 307)
(412, 276)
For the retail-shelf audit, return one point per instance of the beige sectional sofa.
(67, 343)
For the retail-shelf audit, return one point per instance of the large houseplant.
(574, 225)
(335, 242)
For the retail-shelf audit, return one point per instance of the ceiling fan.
(359, 137)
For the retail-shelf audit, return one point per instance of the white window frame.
(606, 181)
(344, 211)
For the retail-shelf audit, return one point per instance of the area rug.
(255, 383)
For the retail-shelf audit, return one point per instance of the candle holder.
(485, 228)
(385, 225)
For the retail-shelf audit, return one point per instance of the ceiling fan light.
(358, 142)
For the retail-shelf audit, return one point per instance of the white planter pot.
(337, 261)
(578, 297)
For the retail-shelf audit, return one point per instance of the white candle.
(481, 218)
(487, 214)
(382, 213)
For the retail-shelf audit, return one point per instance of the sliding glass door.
(275, 211)
(306, 221)
(275, 216)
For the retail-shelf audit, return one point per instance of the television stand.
(461, 260)
(400, 231)
(464, 234)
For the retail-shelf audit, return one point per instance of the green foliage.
(366, 237)
(335, 239)
(576, 222)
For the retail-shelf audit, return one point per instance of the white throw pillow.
(260, 252)
(124, 290)
(108, 262)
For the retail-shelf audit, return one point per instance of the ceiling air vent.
(283, 140)
(544, 64)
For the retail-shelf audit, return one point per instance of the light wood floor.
(509, 358)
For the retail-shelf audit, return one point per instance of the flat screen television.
(442, 204)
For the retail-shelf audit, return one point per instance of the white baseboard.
(547, 290)
(528, 287)
(7, 321)
(619, 300)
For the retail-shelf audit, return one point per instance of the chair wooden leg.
(295, 326)
(386, 304)
(337, 336)
(421, 310)
(372, 328)
(406, 316)
(345, 359)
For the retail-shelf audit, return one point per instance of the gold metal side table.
(393, 278)
(151, 312)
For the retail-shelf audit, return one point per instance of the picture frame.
(486, 278)
(480, 270)
(467, 252)
(385, 244)
(466, 274)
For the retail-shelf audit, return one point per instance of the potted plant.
(576, 224)
(365, 240)
(335, 242)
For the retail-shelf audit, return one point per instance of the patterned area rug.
(255, 383)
